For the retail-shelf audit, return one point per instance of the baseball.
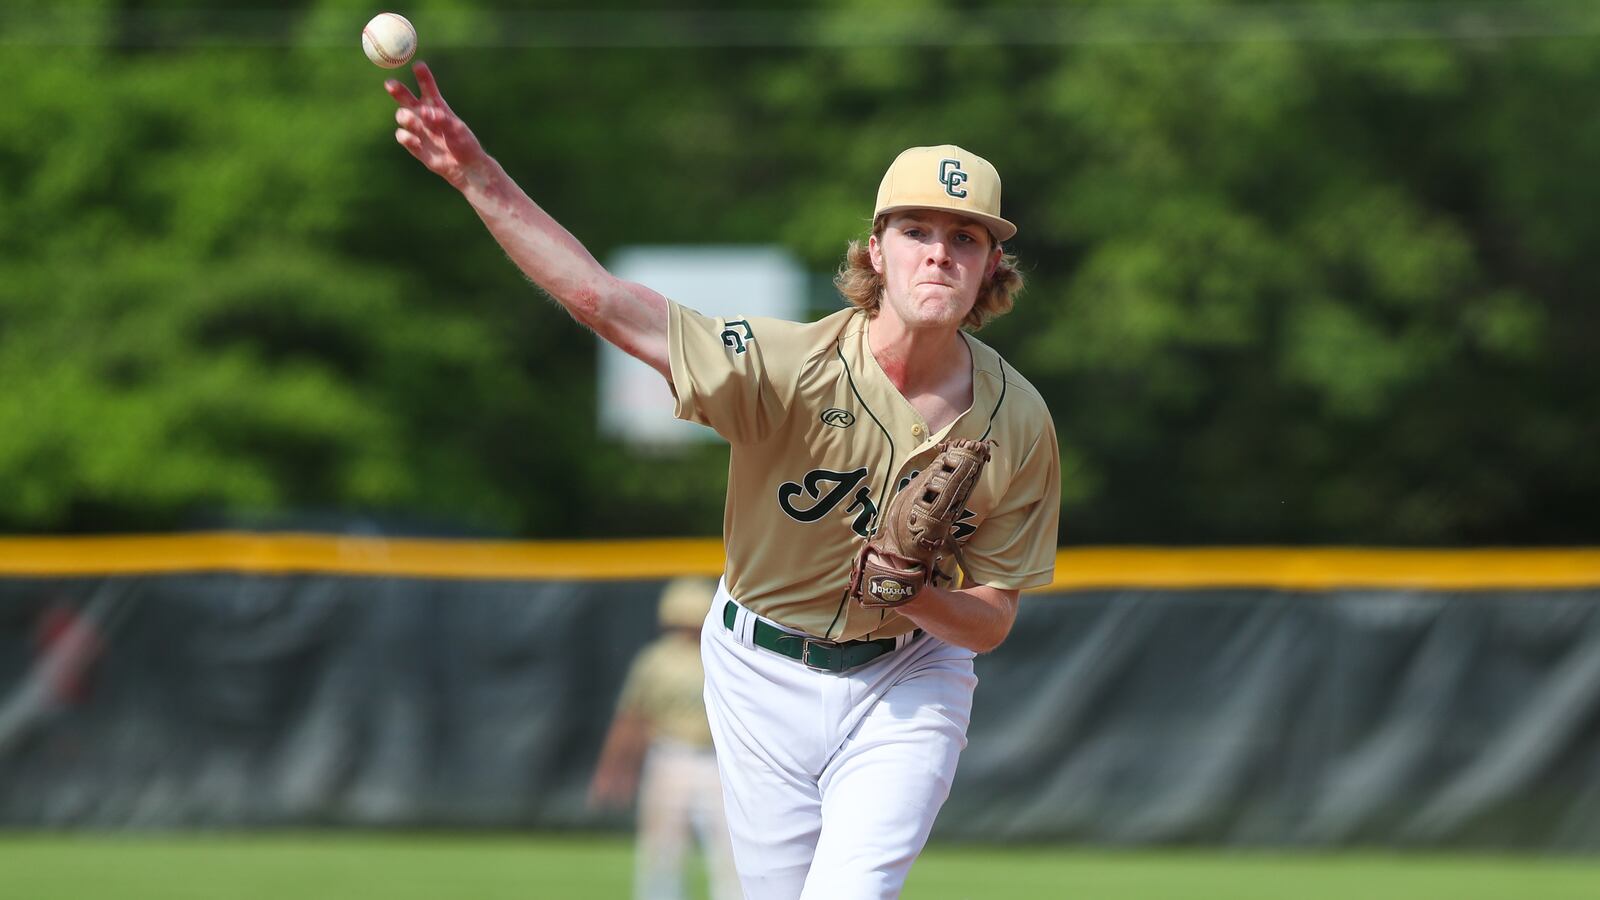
(389, 40)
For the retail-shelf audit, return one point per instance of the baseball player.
(893, 485)
(660, 728)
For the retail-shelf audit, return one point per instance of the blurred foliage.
(1282, 289)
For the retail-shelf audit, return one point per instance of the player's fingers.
(401, 94)
(425, 150)
(409, 120)
(429, 87)
(409, 141)
(447, 126)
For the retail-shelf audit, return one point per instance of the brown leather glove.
(914, 531)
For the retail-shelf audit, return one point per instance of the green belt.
(831, 656)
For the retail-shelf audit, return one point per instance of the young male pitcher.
(838, 651)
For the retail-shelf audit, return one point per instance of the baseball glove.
(914, 531)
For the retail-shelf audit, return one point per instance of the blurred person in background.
(660, 744)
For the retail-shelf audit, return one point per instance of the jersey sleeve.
(730, 373)
(1015, 547)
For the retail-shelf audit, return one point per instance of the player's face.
(933, 264)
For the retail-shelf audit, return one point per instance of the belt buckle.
(805, 653)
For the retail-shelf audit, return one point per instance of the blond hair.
(862, 286)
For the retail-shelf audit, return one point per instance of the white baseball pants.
(832, 780)
(680, 800)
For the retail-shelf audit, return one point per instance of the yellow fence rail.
(1312, 568)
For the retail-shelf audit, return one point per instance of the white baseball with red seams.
(389, 40)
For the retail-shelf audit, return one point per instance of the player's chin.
(945, 308)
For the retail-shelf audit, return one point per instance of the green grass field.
(343, 865)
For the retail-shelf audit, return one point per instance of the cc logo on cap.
(951, 176)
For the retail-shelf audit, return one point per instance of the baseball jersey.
(665, 686)
(821, 439)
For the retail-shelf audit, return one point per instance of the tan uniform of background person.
(660, 727)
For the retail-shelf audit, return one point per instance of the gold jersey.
(821, 439)
(665, 686)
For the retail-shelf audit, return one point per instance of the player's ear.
(875, 254)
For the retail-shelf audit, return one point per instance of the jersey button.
(916, 430)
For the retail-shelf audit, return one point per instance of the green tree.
(1290, 280)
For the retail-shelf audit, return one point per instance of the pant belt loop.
(747, 627)
(744, 624)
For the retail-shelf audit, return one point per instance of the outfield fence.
(1261, 697)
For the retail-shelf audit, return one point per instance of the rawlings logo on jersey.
(736, 335)
(838, 418)
(842, 483)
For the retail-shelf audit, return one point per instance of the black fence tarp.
(1242, 717)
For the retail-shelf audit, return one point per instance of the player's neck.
(919, 361)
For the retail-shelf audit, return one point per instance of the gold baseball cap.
(685, 601)
(945, 177)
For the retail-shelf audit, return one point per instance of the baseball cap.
(945, 177)
(685, 601)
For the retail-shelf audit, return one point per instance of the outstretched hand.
(433, 133)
